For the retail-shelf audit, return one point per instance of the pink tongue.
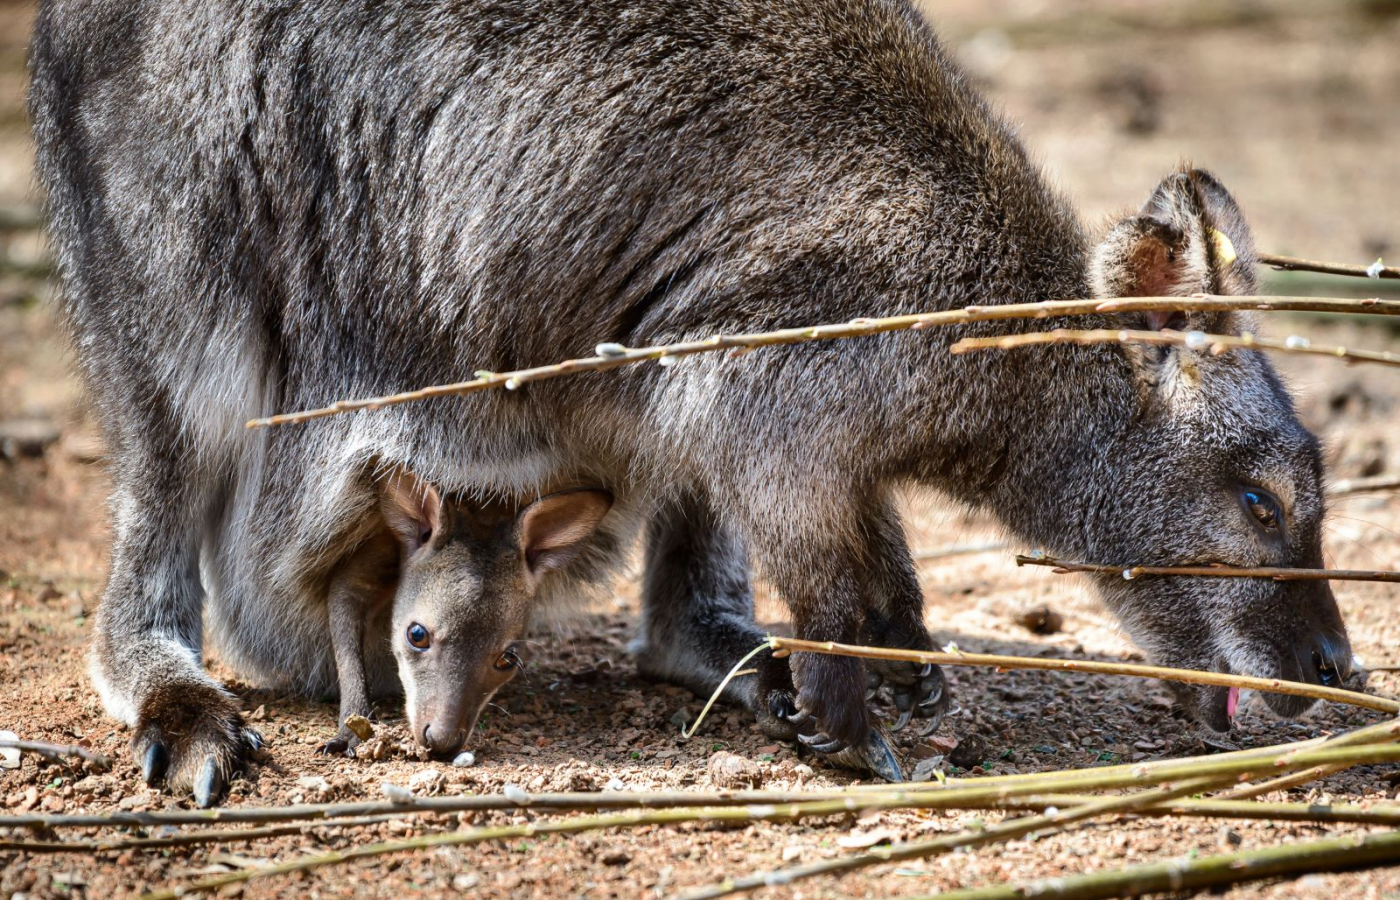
(1232, 702)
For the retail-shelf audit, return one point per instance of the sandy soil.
(1298, 114)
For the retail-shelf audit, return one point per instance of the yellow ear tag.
(1224, 249)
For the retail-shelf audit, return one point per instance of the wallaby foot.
(917, 690)
(343, 744)
(192, 737)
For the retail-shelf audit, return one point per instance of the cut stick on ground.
(1360, 851)
(1205, 774)
(1362, 485)
(191, 838)
(1212, 808)
(59, 752)
(1129, 572)
(1294, 264)
(1024, 827)
(1196, 340)
(612, 356)
(1185, 676)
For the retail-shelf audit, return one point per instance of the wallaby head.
(1213, 467)
(466, 593)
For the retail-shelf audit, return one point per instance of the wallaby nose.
(441, 739)
(1332, 661)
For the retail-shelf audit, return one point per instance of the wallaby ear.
(411, 507)
(554, 526)
(1189, 237)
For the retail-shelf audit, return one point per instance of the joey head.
(459, 580)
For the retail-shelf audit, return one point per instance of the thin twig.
(1129, 572)
(1294, 264)
(59, 752)
(611, 356)
(1215, 343)
(1186, 676)
(1362, 485)
(1357, 851)
(191, 838)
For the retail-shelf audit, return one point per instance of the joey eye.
(418, 637)
(507, 661)
(1263, 506)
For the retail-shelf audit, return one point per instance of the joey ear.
(411, 507)
(554, 526)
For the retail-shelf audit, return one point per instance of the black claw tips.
(926, 671)
(782, 707)
(903, 721)
(208, 784)
(822, 743)
(154, 762)
(254, 740)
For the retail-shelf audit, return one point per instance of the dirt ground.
(1295, 105)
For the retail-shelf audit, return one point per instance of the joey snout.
(448, 688)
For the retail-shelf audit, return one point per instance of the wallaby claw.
(336, 746)
(208, 784)
(154, 762)
(823, 743)
(876, 757)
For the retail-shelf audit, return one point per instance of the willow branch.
(1063, 567)
(612, 356)
(1185, 676)
(192, 838)
(59, 752)
(1358, 851)
(1294, 264)
(1216, 343)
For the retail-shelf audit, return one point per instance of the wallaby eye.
(508, 660)
(418, 637)
(1263, 506)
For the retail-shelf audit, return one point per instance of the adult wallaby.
(265, 206)
(442, 586)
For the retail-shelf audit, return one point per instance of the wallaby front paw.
(343, 744)
(192, 737)
(917, 690)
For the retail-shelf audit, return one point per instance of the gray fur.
(262, 206)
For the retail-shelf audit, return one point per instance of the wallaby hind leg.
(698, 616)
(895, 618)
(148, 635)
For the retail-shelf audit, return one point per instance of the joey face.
(1213, 466)
(466, 596)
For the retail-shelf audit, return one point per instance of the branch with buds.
(1215, 344)
(612, 356)
(1294, 264)
(1063, 567)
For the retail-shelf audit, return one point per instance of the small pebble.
(616, 784)
(515, 795)
(464, 760)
